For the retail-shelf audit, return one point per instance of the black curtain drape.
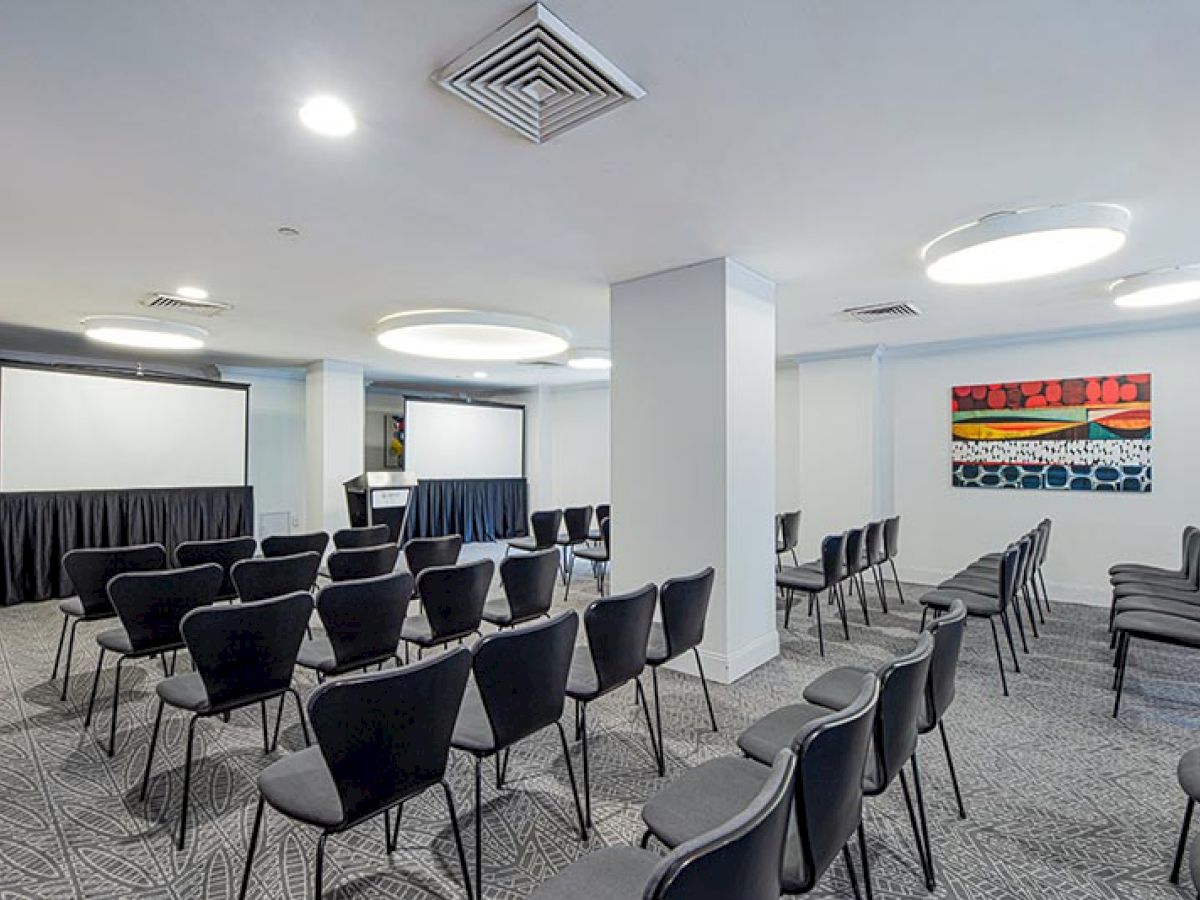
(480, 509)
(37, 528)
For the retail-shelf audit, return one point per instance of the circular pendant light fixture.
(329, 116)
(1014, 246)
(463, 334)
(144, 333)
(1162, 287)
(590, 359)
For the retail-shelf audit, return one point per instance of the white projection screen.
(71, 431)
(447, 439)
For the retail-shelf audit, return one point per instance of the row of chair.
(787, 537)
(580, 540)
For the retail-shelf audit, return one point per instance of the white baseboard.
(728, 668)
(1082, 594)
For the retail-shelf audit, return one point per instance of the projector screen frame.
(467, 401)
(137, 375)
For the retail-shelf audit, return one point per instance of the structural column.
(334, 438)
(693, 448)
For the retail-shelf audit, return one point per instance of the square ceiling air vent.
(538, 77)
(881, 312)
(175, 303)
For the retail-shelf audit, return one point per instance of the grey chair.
(90, 570)
(150, 606)
(543, 532)
(1161, 593)
(980, 577)
(740, 857)
(856, 564)
(362, 621)
(814, 578)
(788, 538)
(599, 555)
(362, 536)
(425, 553)
(291, 544)
(226, 553)
(831, 750)
(452, 601)
(891, 547)
(243, 656)
(1156, 627)
(363, 562)
(382, 739)
(528, 582)
(875, 549)
(1188, 773)
(1122, 572)
(518, 689)
(603, 511)
(275, 576)
(578, 523)
(618, 630)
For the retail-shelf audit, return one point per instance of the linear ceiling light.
(1164, 287)
(1013, 246)
(593, 359)
(144, 333)
(471, 335)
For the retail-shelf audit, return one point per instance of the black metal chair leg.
(1183, 836)
(587, 779)
(661, 751)
(787, 609)
(814, 600)
(879, 586)
(862, 602)
(479, 827)
(462, 856)
(1045, 593)
(999, 655)
(1029, 608)
(916, 828)
(896, 577)
(570, 573)
(1016, 609)
(704, 684)
(850, 872)
(70, 653)
(1121, 675)
(863, 856)
(562, 738)
(1011, 646)
(150, 752)
(112, 725)
(87, 719)
(62, 637)
(962, 810)
(319, 878)
(659, 762)
(930, 871)
(187, 782)
(258, 817)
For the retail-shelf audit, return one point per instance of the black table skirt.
(480, 509)
(37, 528)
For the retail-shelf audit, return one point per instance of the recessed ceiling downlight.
(463, 334)
(1164, 287)
(1013, 246)
(593, 359)
(329, 116)
(144, 333)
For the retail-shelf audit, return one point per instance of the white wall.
(787, 437)
(335, 416)
(578, 424)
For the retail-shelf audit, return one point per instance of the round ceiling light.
(1013, 246)
(471, 335)
(328, 116)
(192, 293)
(1165, 287)
(593, 359)
(144, 333)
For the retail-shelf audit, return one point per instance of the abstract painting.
(1066, 434)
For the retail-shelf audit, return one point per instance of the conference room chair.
(831, 752)
(381, 740)
(1130, 571)
(603, 511)
(902, 687)
(1032, 581)
(90, 571)
(741, 857)
(264, 577)
(452, 601)
(1156, 627)
(891, 548)
(291, 544)
(243, 656)
(150, 607)
(225, 552)
(528, 582)
(362, 622)
(578, 523)
(856, 564)
(598, 555)
(684, 606)
(423, 553)
(517, 689)
(543, 532)
(985, 606)
(1188, 773)
(983, 581)
(876, 553)
(814, 578)
(788, 538)
(1166, 593)
(617, 630)
(363, 536)
(363, 562)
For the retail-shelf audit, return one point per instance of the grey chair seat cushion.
(616, 873)
(73, 606)
(595, 554)
(417, 630)
(525, 543)
(184, 691)
(776, 730)
(1147, 589)
(317, 654)
(497, 611)
(976, 584)
(1150, 576)
(800, 578)
(1189, 773)
(976, 604)
(1163, 605)
(582, 682)
(656, 646)
(473, 729)
(837, 688)
(115, 640)
(1159, 625)
(300, 787)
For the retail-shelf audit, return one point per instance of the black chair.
(603, 511)
(90, 571)
(1160, 593)
(528, 582)
(1188, 773)
(789, 537)
(543, 532)
(382, 739)
(980, 577)
(452, 600)
(1157, 627)
(578, 522)
(226, 553)
(831, 751)
(276, 576)
(598, 556)
(363, 621)
(424, 553)
(684, 605)
(891, 547)
(518, 689)
(1140, 572)
(856, 564)
(243, 656)
(742, 857)
(363, 536)
(291, 544)
(813, 578)
(150, 606)
(363, 562)
(618, 630)
(875, 549)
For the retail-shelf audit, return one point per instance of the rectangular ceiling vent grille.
(881, 312)
(538, 77)
(175, 303)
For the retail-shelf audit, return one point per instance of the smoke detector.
(176, 303)
(538, 77)
(881, 312)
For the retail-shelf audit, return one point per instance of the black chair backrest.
(364, 562)
(365, 536)
(606, 535)
(248, 650)
(1190, 533)
(386, 736)
(363, 619)
(832, 752)
(260, 579)
(578, 522)
(603, 511)
(876, 551)
(152, 604)
(424, 553)
(947, 630)
(855, 550)
(833, 553)
(544, 524)
(453, 597)
(789, 530)
(291, 544)
(1044, 526)
(901, 700)
(90, 570)
(1025, 550)
(684, 603)
(529, 580)
(224, 552)
(1008, 575)
(618, 629)
(891, 536)
(742, 858)
(1192, 564)
(522, 676)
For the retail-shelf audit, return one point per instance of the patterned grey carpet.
(1063, 801)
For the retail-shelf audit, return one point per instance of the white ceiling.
(148, 144)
